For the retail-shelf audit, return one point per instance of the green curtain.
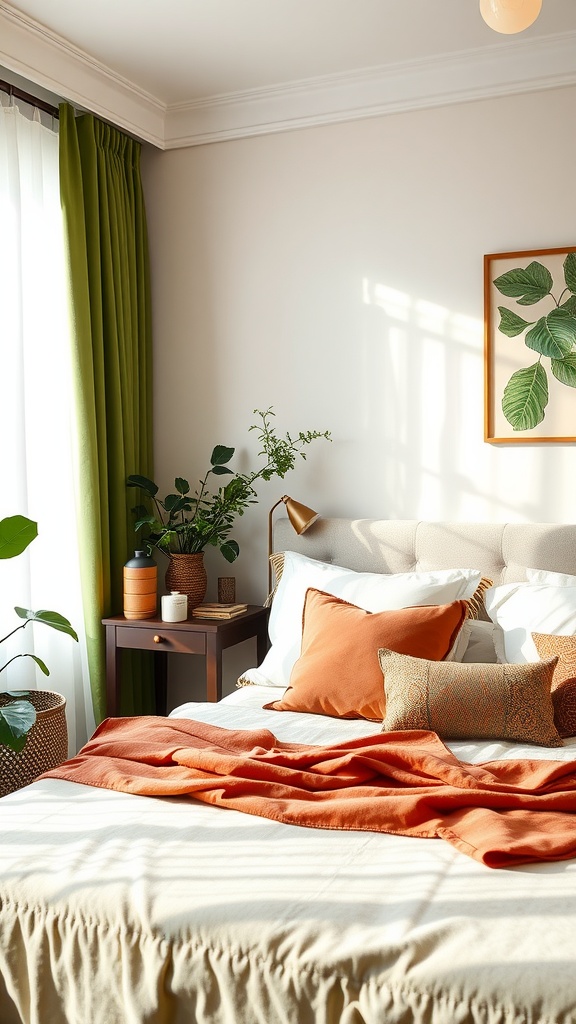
(105, 221)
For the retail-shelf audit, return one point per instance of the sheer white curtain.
(37, 416)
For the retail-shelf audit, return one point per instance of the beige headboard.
(502, 551)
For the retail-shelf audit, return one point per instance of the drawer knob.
(158, 639)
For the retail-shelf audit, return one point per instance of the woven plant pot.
(187, 575)
(46, 743)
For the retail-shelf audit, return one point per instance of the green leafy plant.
(552, 336)
(18, 716)
(187, 522)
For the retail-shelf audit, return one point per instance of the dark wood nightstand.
(194, 636)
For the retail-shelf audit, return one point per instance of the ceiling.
(198, 54)
(181, 50)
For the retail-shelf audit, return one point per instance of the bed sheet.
(116, 909)
(244, 709)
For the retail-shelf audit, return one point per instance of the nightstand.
(208, 637)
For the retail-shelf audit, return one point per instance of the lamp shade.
(300, 516)
(510, 16)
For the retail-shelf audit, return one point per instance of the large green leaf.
(16, 533)
(144, 483)
(16, 720)
(38, 661)
(526, 397)
(181, 485)
(41, 664)
(221, 455)
(510, 323)
(554, 335)
(230, 550)
(570, 271)
(148, 520)
(565, 369)
(7, 738)
(174, 503)
(526, 285)
(53, 619)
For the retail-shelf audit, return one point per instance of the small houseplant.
(18, 715)
(185, 522)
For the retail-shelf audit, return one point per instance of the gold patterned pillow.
(564, 680)
(470, 701)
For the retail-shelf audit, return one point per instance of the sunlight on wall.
(429, 411)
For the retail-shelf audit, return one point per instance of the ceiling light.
(510, 15)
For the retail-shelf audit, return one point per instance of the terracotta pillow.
(338, 672)
(564, 679)
(470, 701)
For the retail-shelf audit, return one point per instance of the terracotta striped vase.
(140, 587)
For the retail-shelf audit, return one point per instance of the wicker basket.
(46, 744)
(187, 575)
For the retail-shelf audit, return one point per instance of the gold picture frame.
(530, 346)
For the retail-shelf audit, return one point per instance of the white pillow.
(520, 609)
(553, 579)
(375, 592)
(480, 643)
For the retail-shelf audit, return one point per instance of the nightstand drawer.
(169, 640)
(208, 637)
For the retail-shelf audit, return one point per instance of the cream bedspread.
(118, 909)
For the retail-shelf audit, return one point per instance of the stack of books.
(218, 611)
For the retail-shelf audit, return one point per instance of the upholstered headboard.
(502, 551)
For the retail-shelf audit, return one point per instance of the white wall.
(336, 274)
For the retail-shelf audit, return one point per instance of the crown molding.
(46, 59)
(499, 70)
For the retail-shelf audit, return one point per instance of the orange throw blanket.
(502, 813)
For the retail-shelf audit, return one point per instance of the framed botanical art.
(530, 346)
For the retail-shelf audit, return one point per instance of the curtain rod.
(19, 94)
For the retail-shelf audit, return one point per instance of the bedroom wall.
(335, 274)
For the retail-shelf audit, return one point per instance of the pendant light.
(510, 16)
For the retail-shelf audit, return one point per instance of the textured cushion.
(474, 701)
(374, 592)
(520, 609)
(564, 680)
(338, 672)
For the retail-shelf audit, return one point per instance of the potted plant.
(185, 522)
(20, 711)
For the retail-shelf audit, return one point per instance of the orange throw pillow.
(338, 672)
(563, 686)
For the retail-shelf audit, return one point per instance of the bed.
(118, 908)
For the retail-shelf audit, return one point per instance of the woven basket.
(187, 575)
(46, 744)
